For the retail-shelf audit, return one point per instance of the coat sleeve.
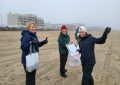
(61, 43)
(40, 43)
(25, 42)
(100, 40)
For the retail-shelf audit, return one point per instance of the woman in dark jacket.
(63, 40)
(87, 44)
(29, 37)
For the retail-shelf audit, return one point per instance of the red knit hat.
(63, 27)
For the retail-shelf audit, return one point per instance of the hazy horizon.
(90, 12)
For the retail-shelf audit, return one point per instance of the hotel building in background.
(20, 20)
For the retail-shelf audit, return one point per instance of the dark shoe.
(65, 70)
(63, 75)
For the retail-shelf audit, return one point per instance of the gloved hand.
(107, 30)
(46, 40)
(34, 41)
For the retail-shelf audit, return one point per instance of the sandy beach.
(106, 70)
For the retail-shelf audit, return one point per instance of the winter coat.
(26, 39)
(63, 40)
(87, 45)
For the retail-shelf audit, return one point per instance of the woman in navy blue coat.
(28, 38)
(87, 44)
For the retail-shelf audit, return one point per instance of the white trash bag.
(74, 55)
(32, 61)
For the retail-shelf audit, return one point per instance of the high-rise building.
(20, 20)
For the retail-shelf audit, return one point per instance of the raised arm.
(41, 43)
(102, 39)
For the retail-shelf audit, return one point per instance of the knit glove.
(107, 30)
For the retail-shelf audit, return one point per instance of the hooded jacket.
(26, 39)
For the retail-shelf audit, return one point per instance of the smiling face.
(82, 34)
(32, 28)
(64, 31)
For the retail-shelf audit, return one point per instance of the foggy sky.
(89, 12)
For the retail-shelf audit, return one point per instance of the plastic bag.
(74, 55)
(32, 62)
(74, 60)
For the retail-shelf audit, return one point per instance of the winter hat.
(82, 28)
(63, 27)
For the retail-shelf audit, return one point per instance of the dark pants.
(87, 78)
(63, 60)
(30, 76)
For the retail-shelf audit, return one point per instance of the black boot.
(65, 70)
(63, 60)
(63, 75)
